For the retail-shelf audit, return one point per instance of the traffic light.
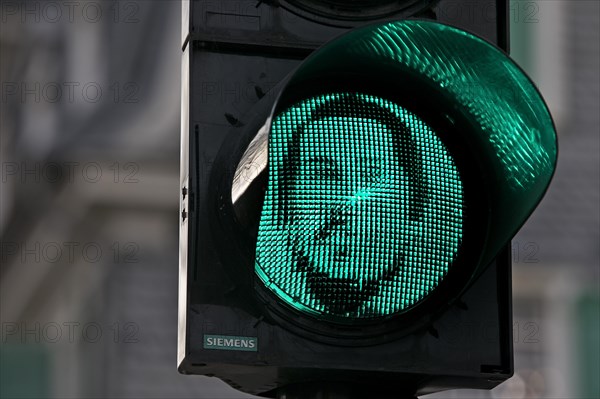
(352, 175)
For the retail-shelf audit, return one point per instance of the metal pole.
(329, 390)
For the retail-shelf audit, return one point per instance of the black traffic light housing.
(236, 54)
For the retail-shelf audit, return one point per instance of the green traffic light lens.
(364, 208)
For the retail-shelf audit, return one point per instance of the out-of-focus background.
(89, 200)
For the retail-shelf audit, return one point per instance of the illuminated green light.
(363, 214)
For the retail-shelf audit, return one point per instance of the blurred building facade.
(89, 144)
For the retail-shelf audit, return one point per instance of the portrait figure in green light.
(351, 182)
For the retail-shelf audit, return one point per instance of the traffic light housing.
(349, 223)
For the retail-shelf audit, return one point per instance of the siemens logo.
(225, 342)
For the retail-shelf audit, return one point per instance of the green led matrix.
(363, 214)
